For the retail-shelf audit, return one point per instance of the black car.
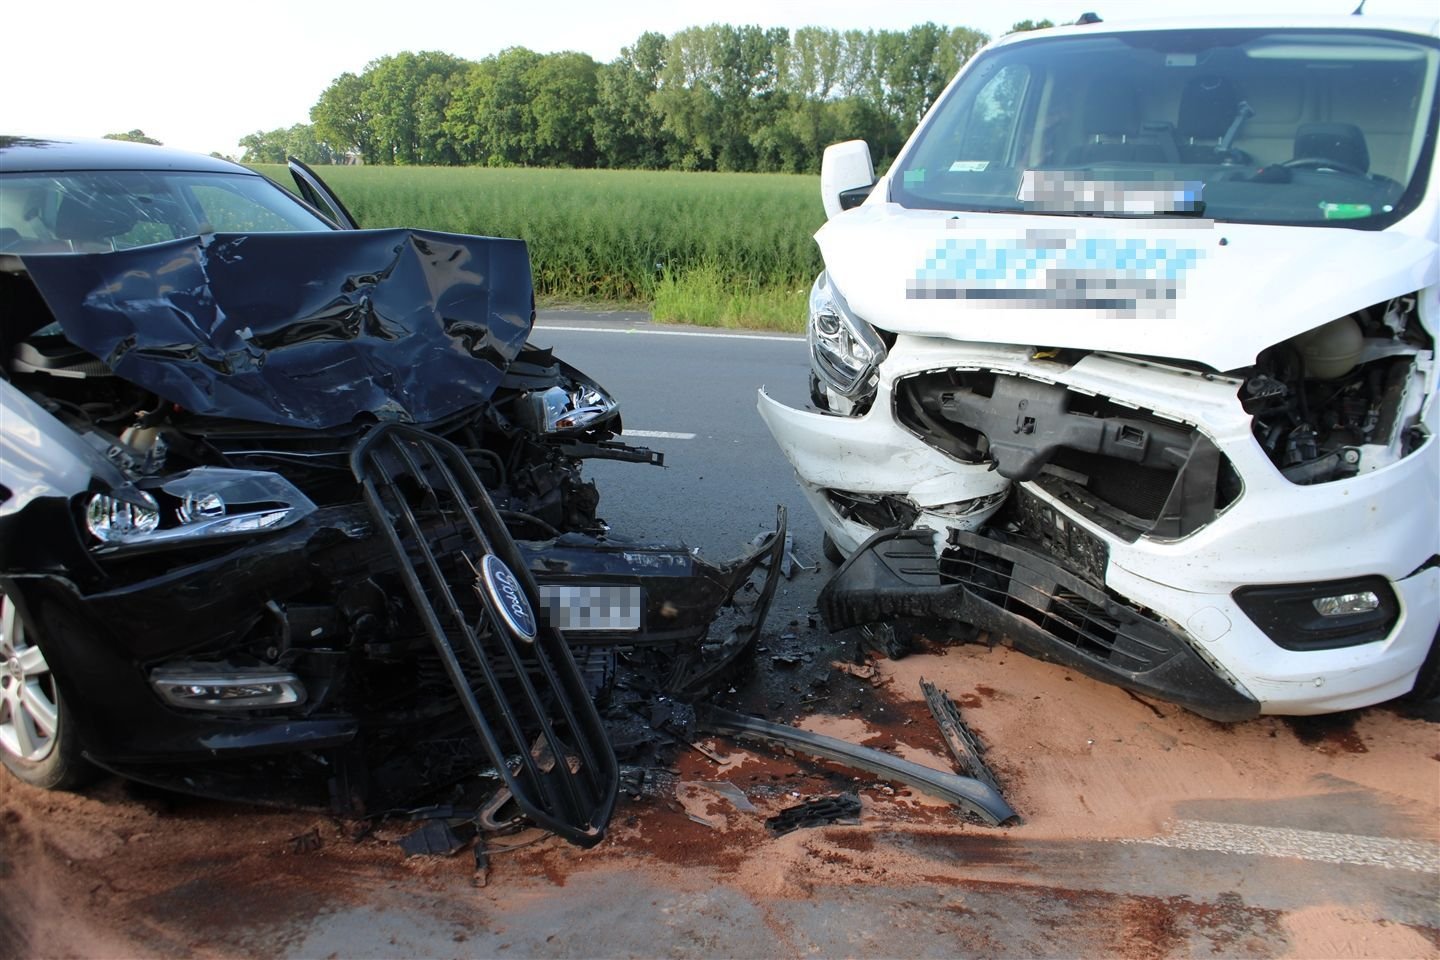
(293, 511)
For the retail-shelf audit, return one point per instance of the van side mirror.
(846, 176)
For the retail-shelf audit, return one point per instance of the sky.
(200, 75)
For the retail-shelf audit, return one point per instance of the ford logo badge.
(508, 597)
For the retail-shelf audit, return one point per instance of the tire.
(832, 552)
(1427, 681)
(38, 741)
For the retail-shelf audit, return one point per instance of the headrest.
(1110, 107)
(94, 217)
(1208, 105)
(1341, 142)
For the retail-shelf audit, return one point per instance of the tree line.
(717, 97)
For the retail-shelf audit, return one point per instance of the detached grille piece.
(513, 673)
(1068, 610)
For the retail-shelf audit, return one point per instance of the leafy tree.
(282, 143)
(626, 127)
(134, 136)
(1023, 26)
(562, 96)
(717, 97)
(264, 146)
(343, 120)
(508, 121)
(405, 96)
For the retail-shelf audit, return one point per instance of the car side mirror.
(847, 175)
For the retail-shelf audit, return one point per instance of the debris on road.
(964, 745)
(434, 838)
(724, 789)
(969, 794)
(823, 811)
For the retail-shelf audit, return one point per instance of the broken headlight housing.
(845, 351)
(561, 410)
(199, 505)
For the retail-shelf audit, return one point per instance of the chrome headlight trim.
(199, 505)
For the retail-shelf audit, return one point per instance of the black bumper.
(1014, 590)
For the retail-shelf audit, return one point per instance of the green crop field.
(711, 248)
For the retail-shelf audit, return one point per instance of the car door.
(320, 196)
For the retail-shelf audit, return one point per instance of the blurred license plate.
(591, 607)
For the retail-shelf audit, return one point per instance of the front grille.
(1072, 544)
(1127, 469)
(1070, 611)
(523, 694)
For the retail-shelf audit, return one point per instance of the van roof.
(1419, 26)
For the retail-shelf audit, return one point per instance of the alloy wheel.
(29, 713)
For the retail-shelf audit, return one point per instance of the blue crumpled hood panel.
(301, 329)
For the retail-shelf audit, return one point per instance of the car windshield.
(1316, 127)
(101, 211)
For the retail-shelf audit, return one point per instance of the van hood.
(1213, 293)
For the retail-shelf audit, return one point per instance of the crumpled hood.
(1216, 293)
(301, 329)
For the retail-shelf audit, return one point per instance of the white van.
(1129, 358)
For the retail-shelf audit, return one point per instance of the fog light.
(241, 690)
(1322, 616)
(1346, 604)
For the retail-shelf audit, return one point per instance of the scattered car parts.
(822, 811)
(965, 747)
(969, 794)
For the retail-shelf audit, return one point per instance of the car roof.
(43, 155)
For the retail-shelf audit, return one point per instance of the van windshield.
(1316, 127)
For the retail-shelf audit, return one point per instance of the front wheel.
(1427, 681)
(37, 737)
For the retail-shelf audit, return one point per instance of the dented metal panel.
(301, 329)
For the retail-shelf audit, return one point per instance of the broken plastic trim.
(695, 670)
(967, 793)
(964, 746)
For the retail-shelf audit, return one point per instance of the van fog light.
(239, 690)
(1346, 604)
(1322, 616)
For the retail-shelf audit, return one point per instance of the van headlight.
(206, 503)
(845, 351)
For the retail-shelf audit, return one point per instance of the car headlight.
(560, 410)
(845, 351)
(202, 504)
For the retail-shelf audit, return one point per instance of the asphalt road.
(690, 393)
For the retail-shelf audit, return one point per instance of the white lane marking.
(774, 338)
(659, 434)
(1238, 838)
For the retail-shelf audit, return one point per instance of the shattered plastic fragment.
(844, 808)
(433, 839)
